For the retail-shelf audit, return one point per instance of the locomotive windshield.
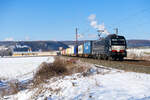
(118, 41)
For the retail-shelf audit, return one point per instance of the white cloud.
(9, 39)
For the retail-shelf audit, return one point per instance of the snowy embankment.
(96, 84)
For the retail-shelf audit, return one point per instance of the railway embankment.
(131, 65)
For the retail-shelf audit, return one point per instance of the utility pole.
(116, 31)
(76, 36)
(100, 33)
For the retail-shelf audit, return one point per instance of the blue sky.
(57, 19)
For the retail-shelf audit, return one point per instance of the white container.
(80, 49)
(72, 50)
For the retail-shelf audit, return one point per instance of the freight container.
(71, 50)
(76, 50)
(80, 50)
(64, 52)
(61, 52)
(68, 51)
(87, 48)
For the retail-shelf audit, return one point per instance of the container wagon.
(87, 49)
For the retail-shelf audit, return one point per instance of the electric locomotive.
(112, 47)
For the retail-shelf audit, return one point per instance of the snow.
(12, 68)
(120, 86)
(139, 52)
(100, 84)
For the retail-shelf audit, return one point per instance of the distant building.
(22, 48)
(5, 51)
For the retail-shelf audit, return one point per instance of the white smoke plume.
(94, 24)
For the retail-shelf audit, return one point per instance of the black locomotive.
(112, 47)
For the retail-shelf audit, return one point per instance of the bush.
(48, 70)
(60, 67)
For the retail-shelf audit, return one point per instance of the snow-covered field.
(139, 52)
(11, 68)
(98, 84)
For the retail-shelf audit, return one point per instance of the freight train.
(112, 47)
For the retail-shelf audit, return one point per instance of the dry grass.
(48, 70)
(14, 87)
(60, 67)
(11, 88)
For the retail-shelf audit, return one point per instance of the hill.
(54, 45)
(138, 43)
(34, 45)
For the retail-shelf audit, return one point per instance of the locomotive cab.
(117, 47)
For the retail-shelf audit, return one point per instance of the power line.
(134, 14)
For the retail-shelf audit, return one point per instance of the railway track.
(141, 66)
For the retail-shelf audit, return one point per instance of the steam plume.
(94, 24)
